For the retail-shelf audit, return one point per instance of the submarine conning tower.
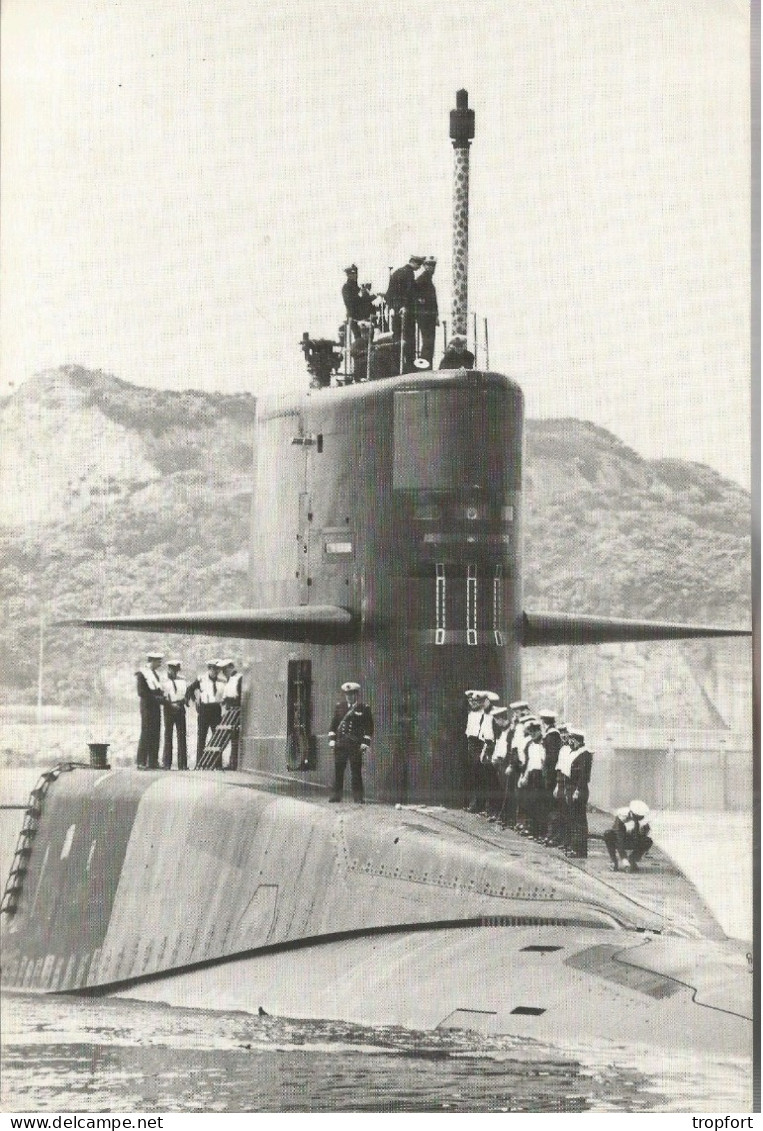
(399, 501)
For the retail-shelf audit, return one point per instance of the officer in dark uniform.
(150, 696)
(401, 300)
(352, 728)
(426, 308)
(457, 356)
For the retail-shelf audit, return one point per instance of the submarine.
(386, 547)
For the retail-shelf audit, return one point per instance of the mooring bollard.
(98, 755)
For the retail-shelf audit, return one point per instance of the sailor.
(577, 805)
(426, 308)
(472, 746)
(175, 690)
(628, 839)
(232, 699)
(365, 305)
(498, 763)
(456, 355)
(401, 301)
(207, 692)
(485, 745)
(507, 816)
(552, 744)
(352, 728)
(351, 297)
(558, 822)
(530, 784)
(518, 761)
(150, 695)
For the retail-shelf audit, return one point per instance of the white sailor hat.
(491, 695)
(213, 663)
(546, 714)
(154, 656)
(174, 664)
(227, 663)
(639, 809)
(500, 712)
(519, 705)
(350, 686)
(576, 732)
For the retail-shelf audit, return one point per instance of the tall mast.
(461, 133)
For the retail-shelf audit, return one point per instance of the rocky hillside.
(126, 499)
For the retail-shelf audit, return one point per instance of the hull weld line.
(487, 921)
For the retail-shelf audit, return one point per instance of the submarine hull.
(222, 891)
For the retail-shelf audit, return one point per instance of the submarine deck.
(660, 891)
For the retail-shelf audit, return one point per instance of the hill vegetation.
(126, 499)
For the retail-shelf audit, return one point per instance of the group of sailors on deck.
(526, 772)
(408, 309)
(164, 696)
(530, 773)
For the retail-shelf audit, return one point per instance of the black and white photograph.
(377, 439)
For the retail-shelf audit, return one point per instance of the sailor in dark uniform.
(365, 305)
(426, 308)
(401, 301)
(351, 297)
(150, 696)
(530, 784)
(520, 710)
(207, 693)
(577, 806)
(558, 819)
(456, 355)
(175, 691)
(352, 728)
(552, 744)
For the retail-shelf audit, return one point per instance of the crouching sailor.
(628, 840)
(150, 696)
(352, 728)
